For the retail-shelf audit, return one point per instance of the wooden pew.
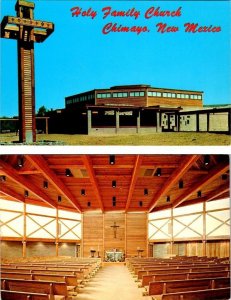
(70, 280)
(13, 295)
(182, 276)
(183, 270)
(176, 286)
(58, 290)
(215, 294)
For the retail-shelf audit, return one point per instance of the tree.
(42, 111)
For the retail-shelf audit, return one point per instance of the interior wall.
(92, 235)
(67, 249)
(11, 249)
(192, 248)
(40, 249)
(136, 233)
(130, 235)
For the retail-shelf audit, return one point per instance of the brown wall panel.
(173, 102)
(136, 233)
(92, 233)
(40, 249)
(110, 242)
(11, 249)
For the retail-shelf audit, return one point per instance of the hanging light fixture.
(145, 192)
(45, 184)
(113, 184)
(68, 173)
(158, 172)
(168, 199)
(112, 159)
(140, 203)
(59, 198)
(113, 201)
(3, 178)
(181, 184)
(88, 203)
(20, 161)
(83, 192)
(206, 160)
(199, 194)
(26, 194)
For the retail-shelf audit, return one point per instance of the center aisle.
(112, 282)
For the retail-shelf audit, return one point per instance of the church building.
(132, 109)
(75, 222)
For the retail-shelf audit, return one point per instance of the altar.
(114, 256)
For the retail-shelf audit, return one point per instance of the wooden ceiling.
(85, 182)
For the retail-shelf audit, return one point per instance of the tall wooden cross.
(26, 31)
(115, 229)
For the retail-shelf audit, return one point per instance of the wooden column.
(197, 122)
(82, 235)
(89, 121)
(24, 232)
(208, 119)
(229, 122)
(204, 230)
(178, 122)
(138, 122)
(117, 121)
(158, 122)
(171, 233)
(57, 234)
(47, 126)
(103, 254)
(147, 241)
(125, 235)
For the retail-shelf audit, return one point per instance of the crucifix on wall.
(26, 31)
(115, 227)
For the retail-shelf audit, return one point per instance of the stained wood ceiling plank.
(133, 180)
(213, 174)
(187, 163)
(40, 163)
(10, 172)
(88, 164)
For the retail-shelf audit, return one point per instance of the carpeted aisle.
(112, 282)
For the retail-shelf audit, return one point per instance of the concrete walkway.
(112, 282)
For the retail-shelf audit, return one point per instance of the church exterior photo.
(131, 109)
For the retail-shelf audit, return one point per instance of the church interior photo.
(129, 226)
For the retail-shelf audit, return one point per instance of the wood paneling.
(152, 101)
(92, 233)
(136, 233)
(130, 234)
(218, 248)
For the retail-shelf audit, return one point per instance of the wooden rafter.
(10, 172)
(40, 163)
(218, 192)
(133, 180)
(88, 164)
(215, 172)
(188, 161)
(9, 192)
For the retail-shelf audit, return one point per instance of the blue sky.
(77, 57)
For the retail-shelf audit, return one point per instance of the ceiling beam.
(88, 164)
(9, 192)
(133, 180)
(186, 164)
(40, 164)
(218, 192)
(10, 172)
(213, 174)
